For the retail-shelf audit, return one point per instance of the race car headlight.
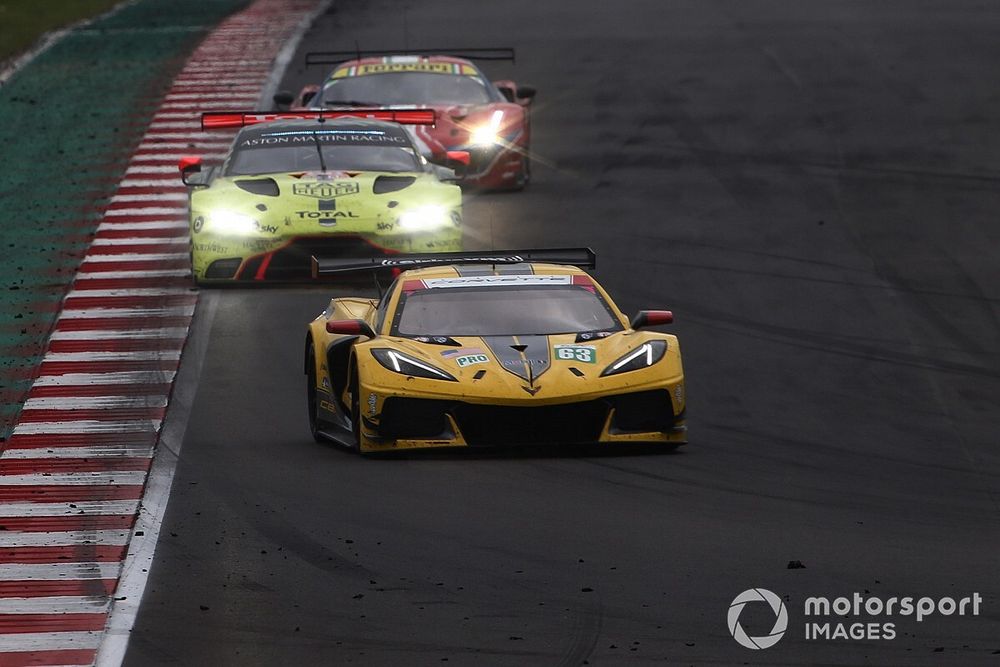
(406, 365)
(228, 222)
(423, 218)
(643, 356)
(488, 134)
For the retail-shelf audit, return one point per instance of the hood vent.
(384, 184)
(266, 187)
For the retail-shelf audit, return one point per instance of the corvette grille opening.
(642, 411)
(487, 425)
(412, 418)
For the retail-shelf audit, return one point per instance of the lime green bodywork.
(228, 221)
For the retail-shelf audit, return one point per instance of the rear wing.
(336, 57)
(581, 257)
(217, 120)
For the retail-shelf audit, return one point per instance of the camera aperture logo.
(780, 620)
(858, 617)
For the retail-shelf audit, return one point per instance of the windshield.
(503, 311)
(407, 88)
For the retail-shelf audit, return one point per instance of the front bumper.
(409, 423)
(226, 260)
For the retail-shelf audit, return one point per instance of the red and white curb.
(73, 476)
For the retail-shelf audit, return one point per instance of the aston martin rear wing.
(217, 120)
(336, 57)
(581, 257)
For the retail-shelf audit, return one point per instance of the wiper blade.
(351, 103)
(319, 150)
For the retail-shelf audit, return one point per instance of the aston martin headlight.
(643, 356)
(423, 218)
(406, 365)
(228, 222)
(488, 134)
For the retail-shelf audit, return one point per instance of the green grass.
(22, 22)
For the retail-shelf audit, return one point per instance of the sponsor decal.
(216, 248)
(679, 394)
(372, 402)
(325, 190)
(402, 65)
(385, 226)
(591, 335)
(326, 383)
(497, 281)
(471, 359)
(325, 215)
(349, 137)
(461, 352)
(197, 224)
(267, 229)
(328, 406)
(583, 353)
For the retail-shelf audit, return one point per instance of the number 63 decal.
(583, 353)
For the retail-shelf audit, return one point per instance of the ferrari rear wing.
(581, 257)
(217, 120)
(335, 57)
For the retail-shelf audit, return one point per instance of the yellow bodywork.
(564, 382)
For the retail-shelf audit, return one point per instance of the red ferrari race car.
(488, 119)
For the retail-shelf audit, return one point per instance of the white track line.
(131, 355)
(90, 451)
(116, 477)
(82, 507)
(151, 273)
(95, 402)
(66, 604)
(67, 538)
(123, 377)
(110, 334)
(92, 313)
(58, 571)
(51, 641)
(85, 426)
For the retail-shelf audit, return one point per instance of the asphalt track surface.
(813, 189)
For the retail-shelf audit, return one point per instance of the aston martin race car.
(294, 185)
(488, 119)
(489, 349)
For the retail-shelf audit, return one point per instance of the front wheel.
(355, 410)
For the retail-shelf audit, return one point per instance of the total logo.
(780, 618)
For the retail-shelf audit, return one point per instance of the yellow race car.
(470, 349)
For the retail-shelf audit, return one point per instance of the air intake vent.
(384, 184)
(260, 186)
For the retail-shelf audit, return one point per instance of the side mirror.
(189, 166)
(651, 318)
(458, 161)
(526, 93)
(350, 328)
(283, 99)
(508, 89)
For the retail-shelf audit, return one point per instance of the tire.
(355, 410)
(311, 401)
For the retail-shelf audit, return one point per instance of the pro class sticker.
(471, 359)
(586, 354)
